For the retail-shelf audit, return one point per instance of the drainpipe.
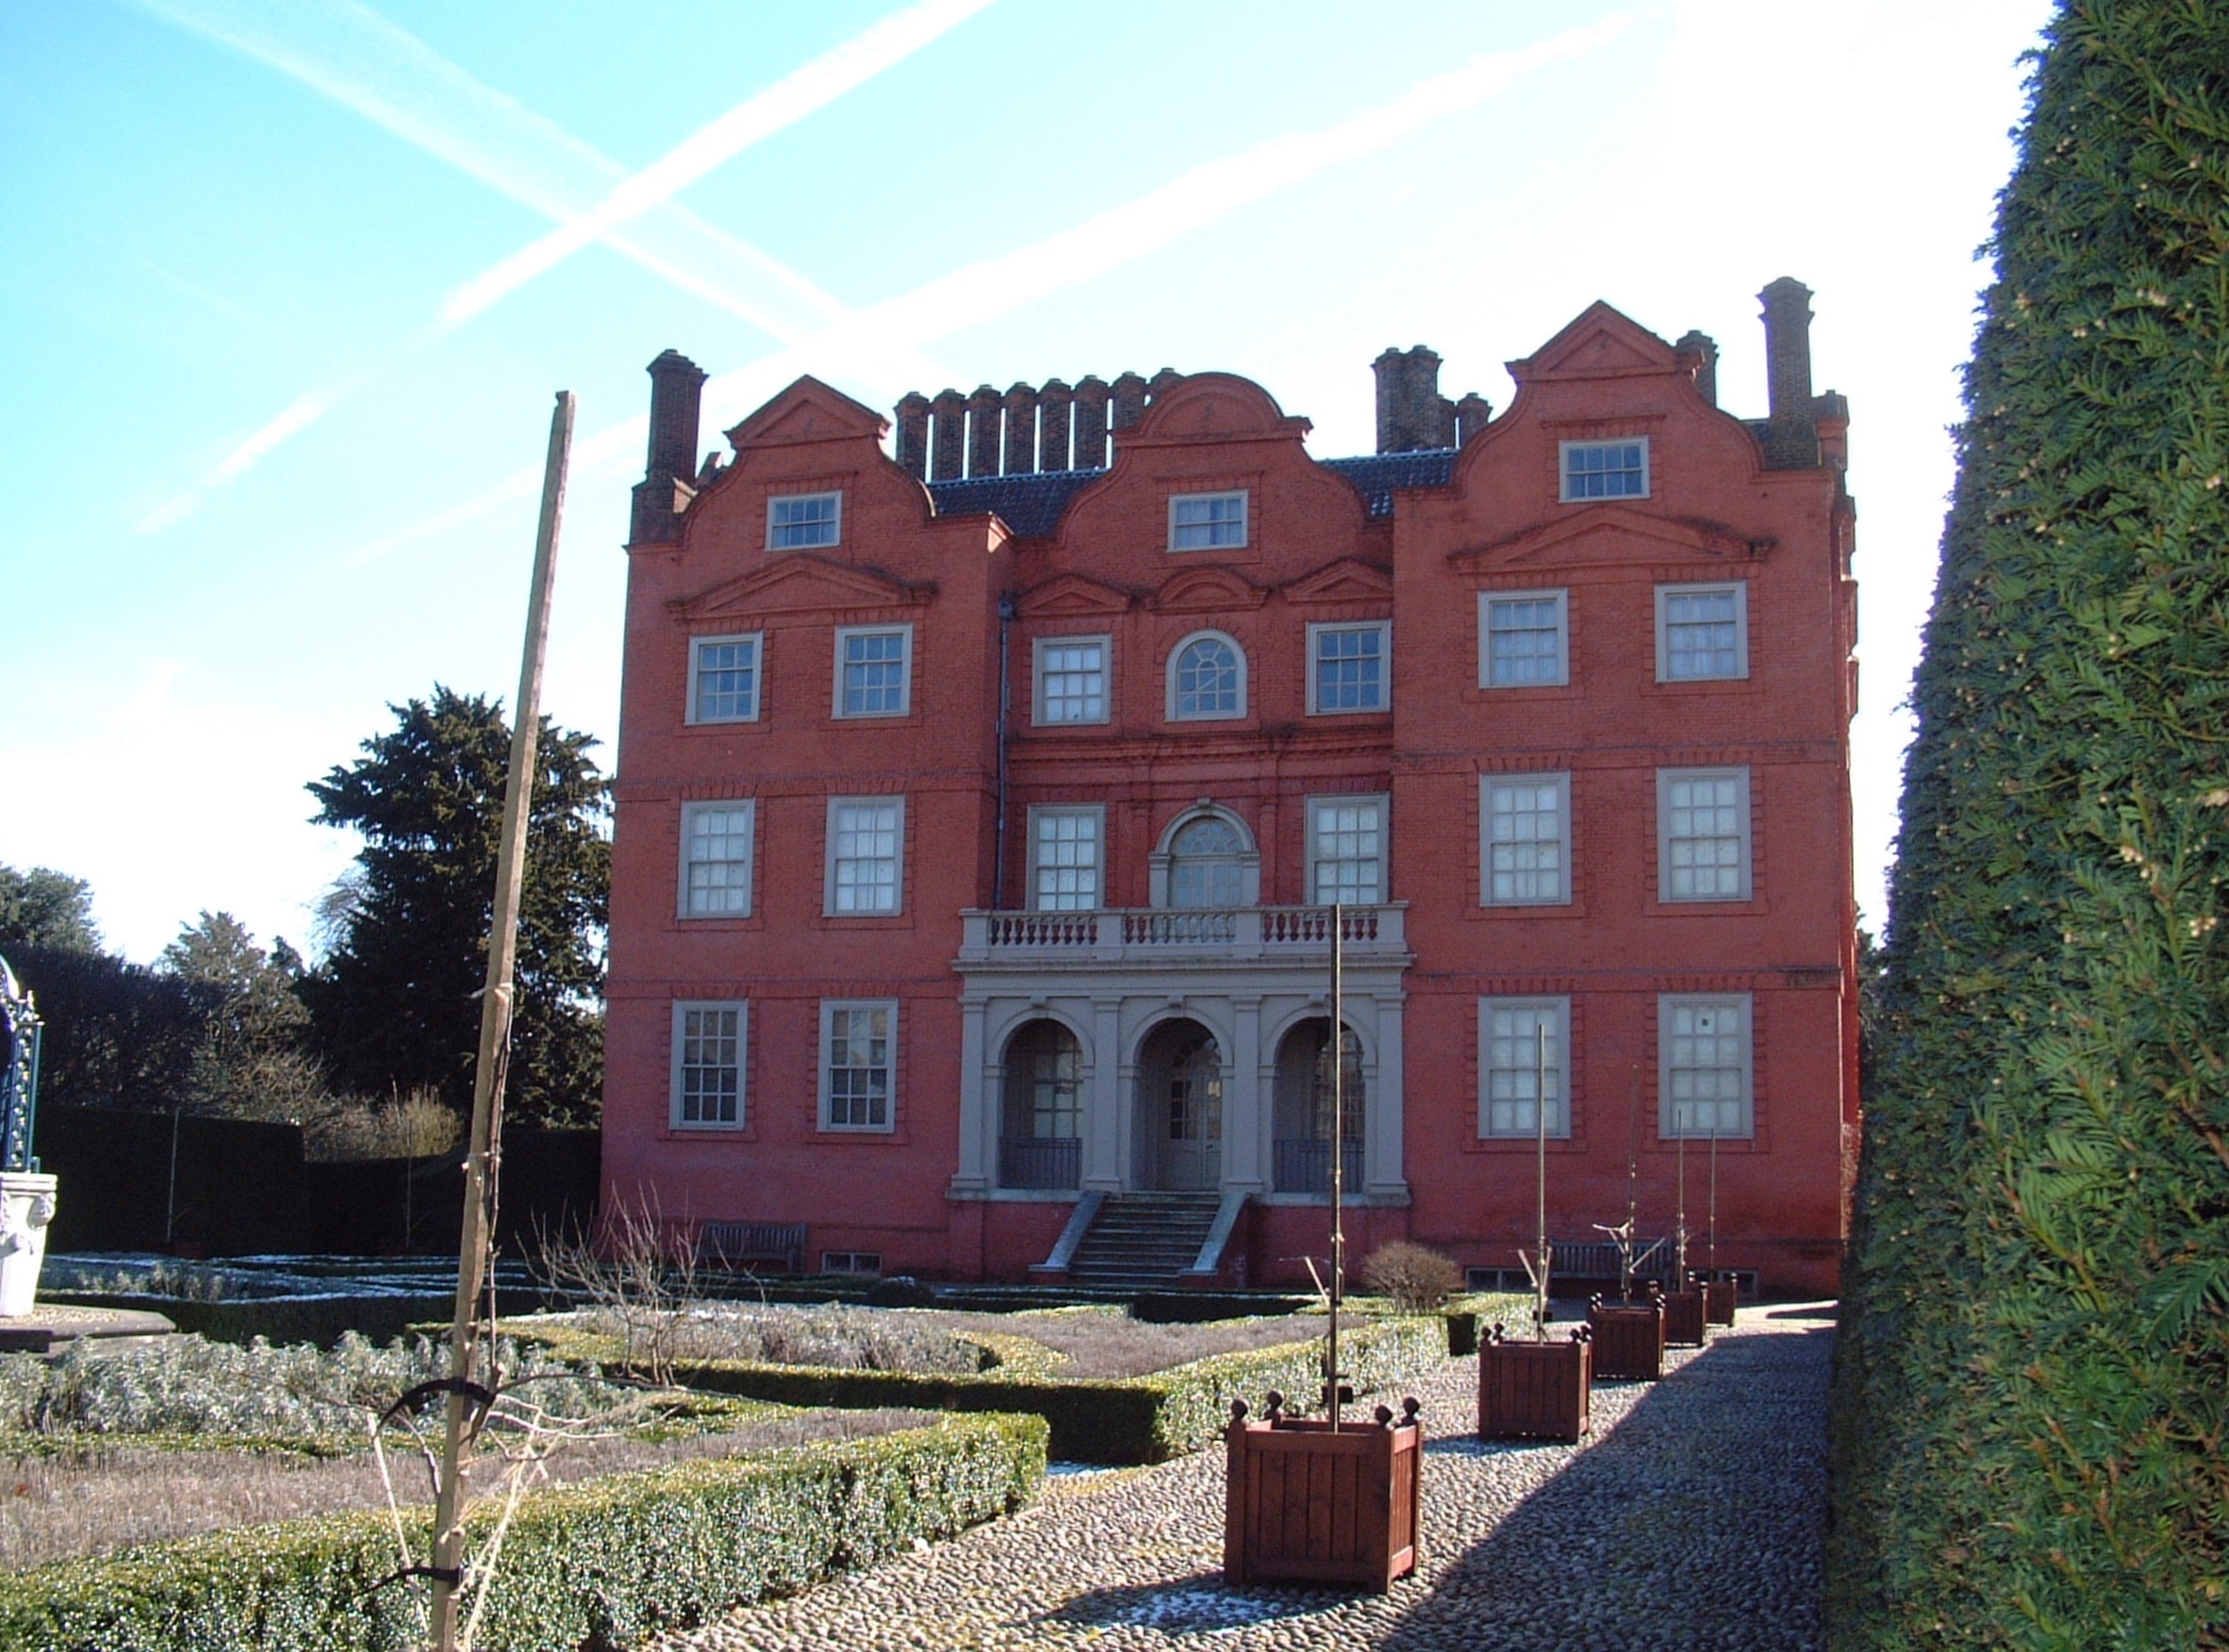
(1005, 634)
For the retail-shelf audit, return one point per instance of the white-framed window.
(1350, 666)
(1524, 639)
(724, 677)
(1207, 678)
(1703, 833)
(858, 1064)
(1209, 860)
(1702, 632)
(851, 1262)
(1703, 1066)
(1526, 828)
(874, 670)
(1207, 521)
(716, 839)
(708, 1045)
(1516, 1071)
(1617, 468)
(1067, 857)
(1072, 680)
(866, 856)
(1347, 851)
(797, 522)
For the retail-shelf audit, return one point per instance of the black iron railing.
(1305, 1166)
(1046, 1163)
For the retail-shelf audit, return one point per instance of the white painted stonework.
(27, 1206)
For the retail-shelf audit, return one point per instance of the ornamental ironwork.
(19, 1072)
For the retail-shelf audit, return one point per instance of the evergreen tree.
(46, 908)
(2032, 1400)
(395, 1005)
(253, 1061)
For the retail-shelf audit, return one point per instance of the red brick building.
(980, 806)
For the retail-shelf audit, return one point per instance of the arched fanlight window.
(1207, 864)
(1207, 678)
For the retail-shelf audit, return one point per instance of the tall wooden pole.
(495, 1045)
(1338, 1153)
(1540, 1232)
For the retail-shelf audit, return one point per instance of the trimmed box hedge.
(1128, 1420)
(604, 1563)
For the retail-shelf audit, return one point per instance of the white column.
(1103, 1117)
(976, 1116)
(1242, 1099)
(1382, 1179)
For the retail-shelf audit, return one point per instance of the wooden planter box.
(1629, 1340)
(1535, 1389)
(1719, 1299)
(1304, 1505)
(1683, 1317)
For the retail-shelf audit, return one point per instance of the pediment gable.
(807, 411)
(1600, 342)
(1201, 591)
(1070, 595)
(1611, 535)
(1347, 580)
(797, 581)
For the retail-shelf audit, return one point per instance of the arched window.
(1207, 678)
(1207, 864)
(1039, 1145)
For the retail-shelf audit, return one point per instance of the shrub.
(843, 1338)
(606, 1563)
(2030, 1395)
(1136, 1419)
(1416, 1277)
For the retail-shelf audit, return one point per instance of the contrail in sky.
(983, 291)
(352, 54)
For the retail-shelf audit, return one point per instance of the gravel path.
(1691, 1517)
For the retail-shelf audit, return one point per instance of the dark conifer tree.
(2032, 1401)
(394, 1006)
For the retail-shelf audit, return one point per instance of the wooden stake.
(1338, 1156)
(495, 1047)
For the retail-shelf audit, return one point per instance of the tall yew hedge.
(2032, 1405)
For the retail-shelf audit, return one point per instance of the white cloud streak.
(983, 291)
(789, 100)
(348, 53)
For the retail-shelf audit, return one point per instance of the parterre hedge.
(1130, 1420)
(603, 1563)
(2031, 1410)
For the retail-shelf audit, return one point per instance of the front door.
(1192, 1118)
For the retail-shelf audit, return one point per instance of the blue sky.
(290, 284)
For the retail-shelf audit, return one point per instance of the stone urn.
(27, 1206)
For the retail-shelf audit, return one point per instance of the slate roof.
(1376, 475)
(1031, 501)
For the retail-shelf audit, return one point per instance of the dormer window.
(1207, 521)
(1606, 470)
(798, 521)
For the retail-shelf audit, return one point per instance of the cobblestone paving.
(1691, 1518)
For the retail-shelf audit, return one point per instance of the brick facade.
(1090, 934)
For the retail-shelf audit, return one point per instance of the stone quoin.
(983, 786)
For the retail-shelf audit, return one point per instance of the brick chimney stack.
(1091, 423)
(1129, 393)
(676, 406)
(1052, 426)
(1702, 349)
(1471, 416)
(1411, 413)
(1021, 429)
(1791, 430)
(913, 434)
(947, 439)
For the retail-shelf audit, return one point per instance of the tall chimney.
(1021, 429)
(1788, 348)
(1411, 413)
(1052, 424)
(983, 432)
(948, 442)
(1129, 399)
(1091, 423)
(1702, 350)
(676, 405)
(913, 432)
(1471, 416)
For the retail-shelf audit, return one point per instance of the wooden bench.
(1582, 1267)
(776, 1246)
